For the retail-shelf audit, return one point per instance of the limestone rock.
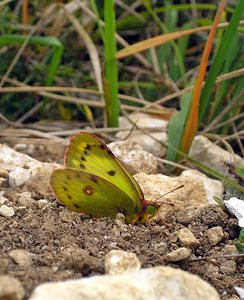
(212, 155)
(145, 141)
(191, 195)
(213, 188)
(22, 168)
(154, 283)
(134, 157)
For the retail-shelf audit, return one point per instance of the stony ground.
(61, 244)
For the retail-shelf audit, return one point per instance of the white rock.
(213, 188)
(10, 288)
(156, 283)
(240, 291)
(19, 176)
(22, 167)
(212, 155)
(215, 235)
(179, 254)
(6, 211)
(39, 182)
(146, 142)
(134, 157)
(187, 238)
(236, 207)
(10, 159)
(118, 261)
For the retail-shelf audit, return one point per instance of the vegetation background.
(68, 64)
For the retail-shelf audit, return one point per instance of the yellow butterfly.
(95, 182)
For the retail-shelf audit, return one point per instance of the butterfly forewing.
(89, 154)
(91, 194)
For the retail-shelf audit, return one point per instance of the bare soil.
(67, 245)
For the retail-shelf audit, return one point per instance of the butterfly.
(95, 182)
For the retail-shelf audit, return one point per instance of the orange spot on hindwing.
(88, 190)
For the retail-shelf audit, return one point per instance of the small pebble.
(21, 257)
(187, 238)
(11, 288)
(42, 203)
(229, 267)
(118, 261)
(215, 235)
(6, 211)
(178, 254)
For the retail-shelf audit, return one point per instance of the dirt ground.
(67, 245)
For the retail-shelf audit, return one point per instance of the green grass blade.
(111, 68)
(218, 61)
(36, 40)
(222, 91)
(164, 29)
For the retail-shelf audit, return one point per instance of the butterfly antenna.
(171, 191)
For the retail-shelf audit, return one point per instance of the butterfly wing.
(91, 194)
(88, 153)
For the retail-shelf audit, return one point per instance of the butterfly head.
(147, 213)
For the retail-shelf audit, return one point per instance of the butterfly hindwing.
(89, 154)
(91, 194)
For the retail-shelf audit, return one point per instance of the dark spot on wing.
(83, 158)
(76, 205)
(65, 189)
(85, 152)
(88, 147)
(102, 146)
(82, 166)
(69, 197)
(111, 172)
(93, 178)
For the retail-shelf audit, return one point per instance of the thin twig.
(234, 255)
